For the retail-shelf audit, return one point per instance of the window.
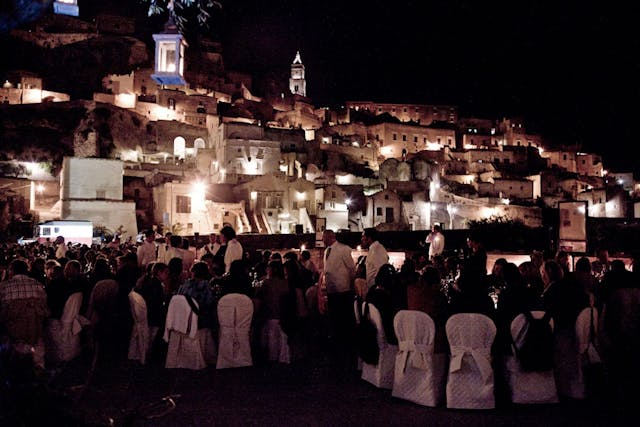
(395, 137)
(333, 194)
(415, 139)
(46, 231)
(378, 211)
(183, 204)
(404, 137)
(386, 197)
(172, 104)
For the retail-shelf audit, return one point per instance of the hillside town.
(178, 142)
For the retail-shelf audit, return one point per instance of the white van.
(74, 231)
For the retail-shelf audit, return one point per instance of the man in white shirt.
(147, 250)
(234, 248)
(338, 272)
(376, 256)
(435, 239)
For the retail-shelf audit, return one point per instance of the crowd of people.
(314, 304)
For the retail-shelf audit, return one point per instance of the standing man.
(338, 278)
(147, 250)
(234, 248)
(436, 241)
(23, 309)
(213, 246)
(376, 256)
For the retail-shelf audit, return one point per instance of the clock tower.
(297, 83)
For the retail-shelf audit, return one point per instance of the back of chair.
(235, 312)
(138, 308)
(528, 387)
(380, 375)
(71, 308)
(471, 380)
(181, 334)
(419, 374)
(139, 342)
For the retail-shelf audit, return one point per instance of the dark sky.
(570, 68)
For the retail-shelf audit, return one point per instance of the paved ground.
(302, 394)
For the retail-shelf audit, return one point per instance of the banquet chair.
(62, 336)
(381, 374)
(275, 342)
(235, 312)
(142, 335)
(420, 374)
(587, 352)
(181, 334)
(527, 387)
(470, 382)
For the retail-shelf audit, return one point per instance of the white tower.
(297, 83)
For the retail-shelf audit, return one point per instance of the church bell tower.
(297, 83)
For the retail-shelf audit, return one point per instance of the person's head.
(175, 241)
(562, 257)
(160, 270)
(18, 266)
(290, 255)
(48, 267)
(275, 269)
(473, 241)
(150, 236)
(101, 268)
(551, 271)
(602, 254)
(213, 238)
(72, 269)
(37, 264)
(431, 276)
(227, 233)
(369, 235)
(305, 255)
(266, 255)
(436, 228)
(59, 240)
(498, 266)
(328, 237)
(275, 256)
(386, 276)
(511, 275)
(583, 265)
(200, 270)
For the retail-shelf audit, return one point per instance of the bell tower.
(297, 83)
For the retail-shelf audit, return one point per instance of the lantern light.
(169, 60)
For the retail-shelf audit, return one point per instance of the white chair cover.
(470, 383)
(587, 353)
(275, 342)
(420, 375)
(235, 312)
(528, 387)
(380, 375)
(141, 335)
(63, 335)
(181, 332)
(568, 361)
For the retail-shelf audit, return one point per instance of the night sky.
(571, 69)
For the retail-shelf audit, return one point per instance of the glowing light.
(581, 209)
(254, 195)
(348, 201)
(40, 188)
(303, 247)
(300, 195)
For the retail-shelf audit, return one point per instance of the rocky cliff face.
(48, 132)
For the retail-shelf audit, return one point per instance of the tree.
(183, 12)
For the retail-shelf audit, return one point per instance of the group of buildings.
(196, 156)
